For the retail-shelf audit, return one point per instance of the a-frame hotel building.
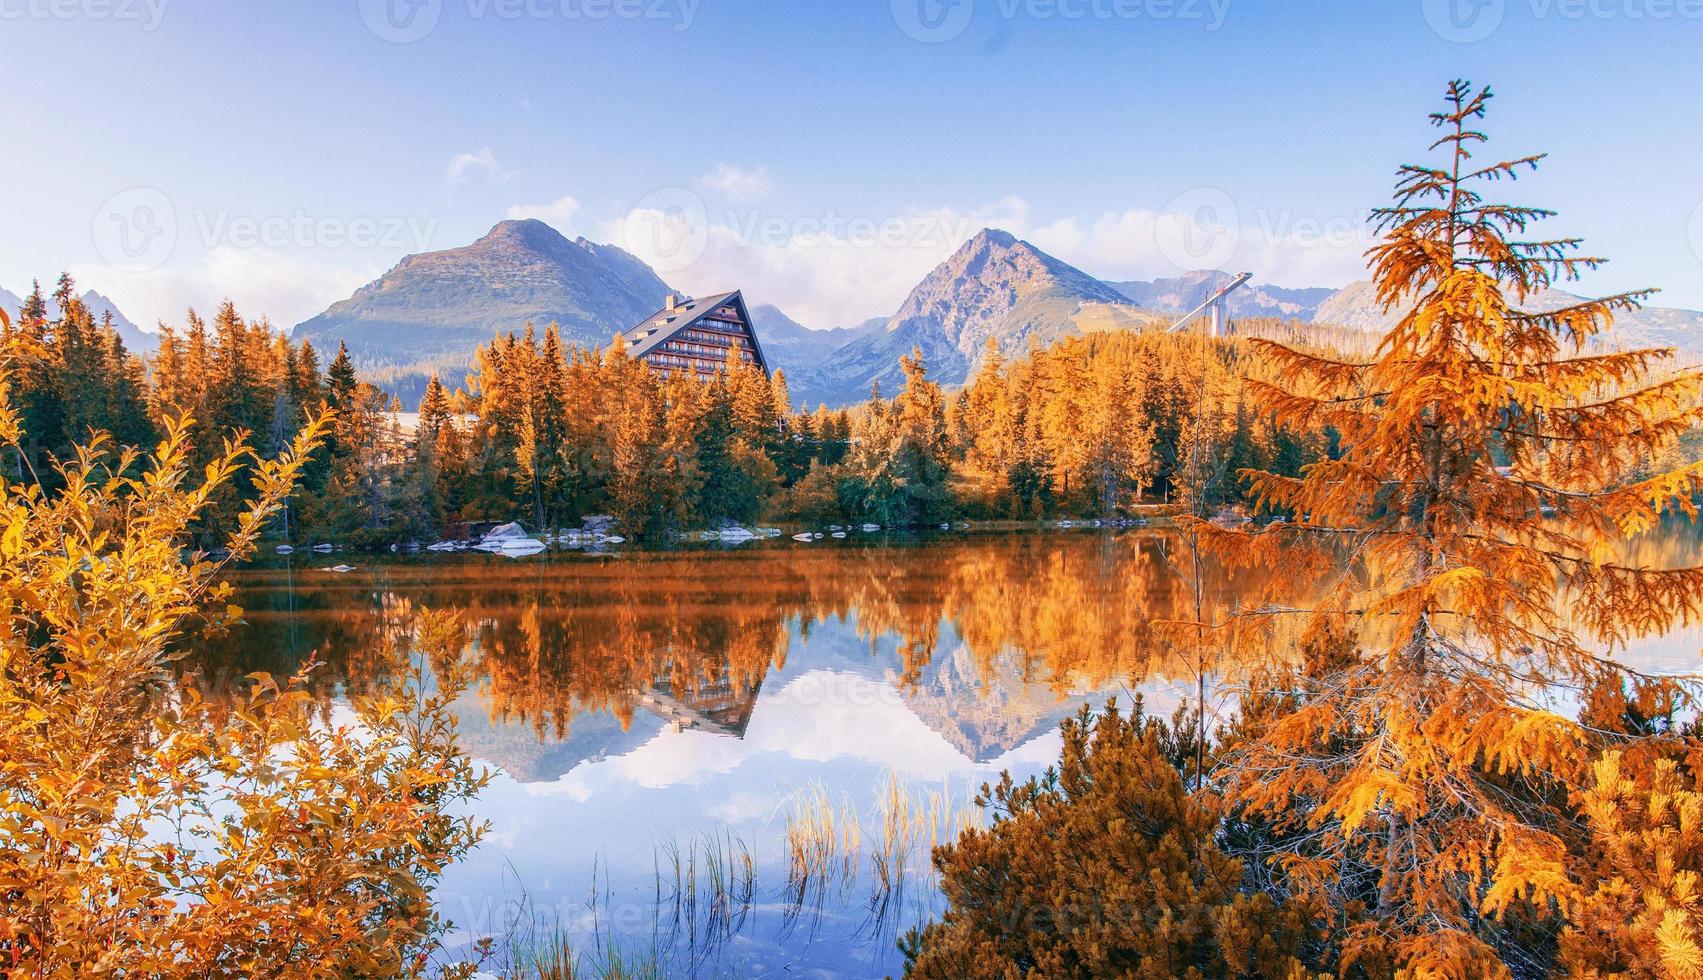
(696, 334)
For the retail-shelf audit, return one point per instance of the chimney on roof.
(669, 301)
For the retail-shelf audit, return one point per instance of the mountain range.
(432, 310)
(981, 709)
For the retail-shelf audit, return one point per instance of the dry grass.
(710, 885)
(706, 886)
(558, 961)
(825, 847)
(909, 820)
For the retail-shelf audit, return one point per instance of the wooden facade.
(697, 335)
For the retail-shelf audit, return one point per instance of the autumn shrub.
(141, 837)
(1107, 866)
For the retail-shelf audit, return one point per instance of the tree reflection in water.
(987, 640)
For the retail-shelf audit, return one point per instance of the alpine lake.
(733, 760)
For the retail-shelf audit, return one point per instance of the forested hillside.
(548, 433)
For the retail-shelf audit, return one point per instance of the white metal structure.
(1215, 302)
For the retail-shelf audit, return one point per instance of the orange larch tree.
(1491, 461)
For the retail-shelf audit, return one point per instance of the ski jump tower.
(1215, 303)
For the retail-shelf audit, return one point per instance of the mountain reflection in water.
(637, 701)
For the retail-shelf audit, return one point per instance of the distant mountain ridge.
(1356, 306)
(1187, 291)
(136, 340)
(794, 347)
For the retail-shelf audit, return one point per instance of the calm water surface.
(653, 711)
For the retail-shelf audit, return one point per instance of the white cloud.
(1204, 229)
(558, 214)
(736, 184)
(283, 287)
(464, 165)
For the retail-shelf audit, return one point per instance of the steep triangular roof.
(659, 327)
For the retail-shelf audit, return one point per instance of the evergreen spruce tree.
(127, 391)
(922, 466)
(197, 371)
(41, 412)
(340, 380)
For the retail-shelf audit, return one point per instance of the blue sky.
(821, 155)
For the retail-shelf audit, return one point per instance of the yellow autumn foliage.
(143, 833)
(1643, 917)
(1494, 457)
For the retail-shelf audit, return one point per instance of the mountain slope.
(433, 309)
(995, 287)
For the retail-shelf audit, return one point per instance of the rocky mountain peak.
(525, 233)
